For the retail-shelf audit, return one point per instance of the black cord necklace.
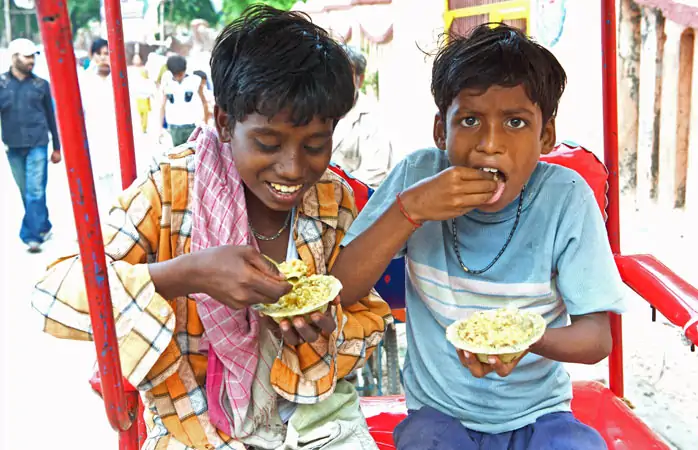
(506, 244)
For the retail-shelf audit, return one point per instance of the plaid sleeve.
(308, 372)
(144, 320)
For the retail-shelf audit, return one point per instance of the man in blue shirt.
(26, 112)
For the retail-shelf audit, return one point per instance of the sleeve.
(143, 319)
(382, 199)
(587, 276)
(51, 117)
(308, 373)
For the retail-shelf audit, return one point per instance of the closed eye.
(266, 147)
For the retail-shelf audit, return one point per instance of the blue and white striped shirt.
(558, 263)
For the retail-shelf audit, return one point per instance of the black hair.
(357, 59)
(268, 60)
(97, 46)
(176, 64)
(497, 55)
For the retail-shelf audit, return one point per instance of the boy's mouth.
(501, 180)
(285, 188)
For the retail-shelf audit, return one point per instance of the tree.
(82, 12)
(184, 11)
(233, 8)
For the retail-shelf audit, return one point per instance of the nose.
(292, 165)
(492, 140)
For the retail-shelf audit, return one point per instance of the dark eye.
(516, 123)
(470, 122)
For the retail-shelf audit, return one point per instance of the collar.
(12, 75)
(320, 202)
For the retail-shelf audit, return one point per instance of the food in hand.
(309, 294)
(505, 332)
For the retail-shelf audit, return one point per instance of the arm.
(51, 117)
(587, 340)
(382, 229)
(132, 232)
(163, 102)
(204, 102)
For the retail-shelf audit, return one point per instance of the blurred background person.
(360, 142)
(27, 116)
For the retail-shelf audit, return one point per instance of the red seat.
(593, 404)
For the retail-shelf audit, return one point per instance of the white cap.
(24, 47)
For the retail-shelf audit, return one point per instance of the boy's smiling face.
(500, 128)
(277, 161)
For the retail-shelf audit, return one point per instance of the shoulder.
(559, 181)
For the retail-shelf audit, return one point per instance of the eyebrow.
(507, 112)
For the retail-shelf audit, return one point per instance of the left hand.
(56, 156)
(297, 330)
(479, 369)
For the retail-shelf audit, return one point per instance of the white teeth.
(285, 188)
(492, 170)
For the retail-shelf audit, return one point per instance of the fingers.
(478, 187)
(297, 330)
(469, 360)
(263, 265)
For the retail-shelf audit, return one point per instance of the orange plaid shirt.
(159, 338)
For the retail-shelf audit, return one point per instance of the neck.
(18, 73)
(264, 219)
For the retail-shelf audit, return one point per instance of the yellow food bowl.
(505, 332)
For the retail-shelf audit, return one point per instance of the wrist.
(177, 277)
(406, 202)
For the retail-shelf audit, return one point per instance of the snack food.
(309, 294)
(504, 332)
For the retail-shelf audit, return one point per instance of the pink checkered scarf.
(220, 218)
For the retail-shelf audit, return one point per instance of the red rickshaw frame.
(664, 290)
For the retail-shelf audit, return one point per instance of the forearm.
(360, 264)
(176, 277)
(586, 341)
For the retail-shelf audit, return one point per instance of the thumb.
(264, 265)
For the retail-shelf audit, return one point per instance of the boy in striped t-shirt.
(484, 224)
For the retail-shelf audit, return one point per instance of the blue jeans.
(429, 429)
(30, 170)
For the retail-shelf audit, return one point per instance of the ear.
(548, 137)
(221, 119)
(439, 131)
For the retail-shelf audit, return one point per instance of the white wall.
(405, 79)
(580, 116)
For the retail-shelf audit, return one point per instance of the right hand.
(239, 276)
(448, 194)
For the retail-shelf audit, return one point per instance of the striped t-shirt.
(558, 263)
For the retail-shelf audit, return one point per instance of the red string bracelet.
(405, 213)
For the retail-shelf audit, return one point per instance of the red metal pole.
(119, 78)
(610, 118)
(57, 38)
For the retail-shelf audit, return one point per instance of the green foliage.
(371, 82)
(184, 11)
(233, 8)
(82, 12)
